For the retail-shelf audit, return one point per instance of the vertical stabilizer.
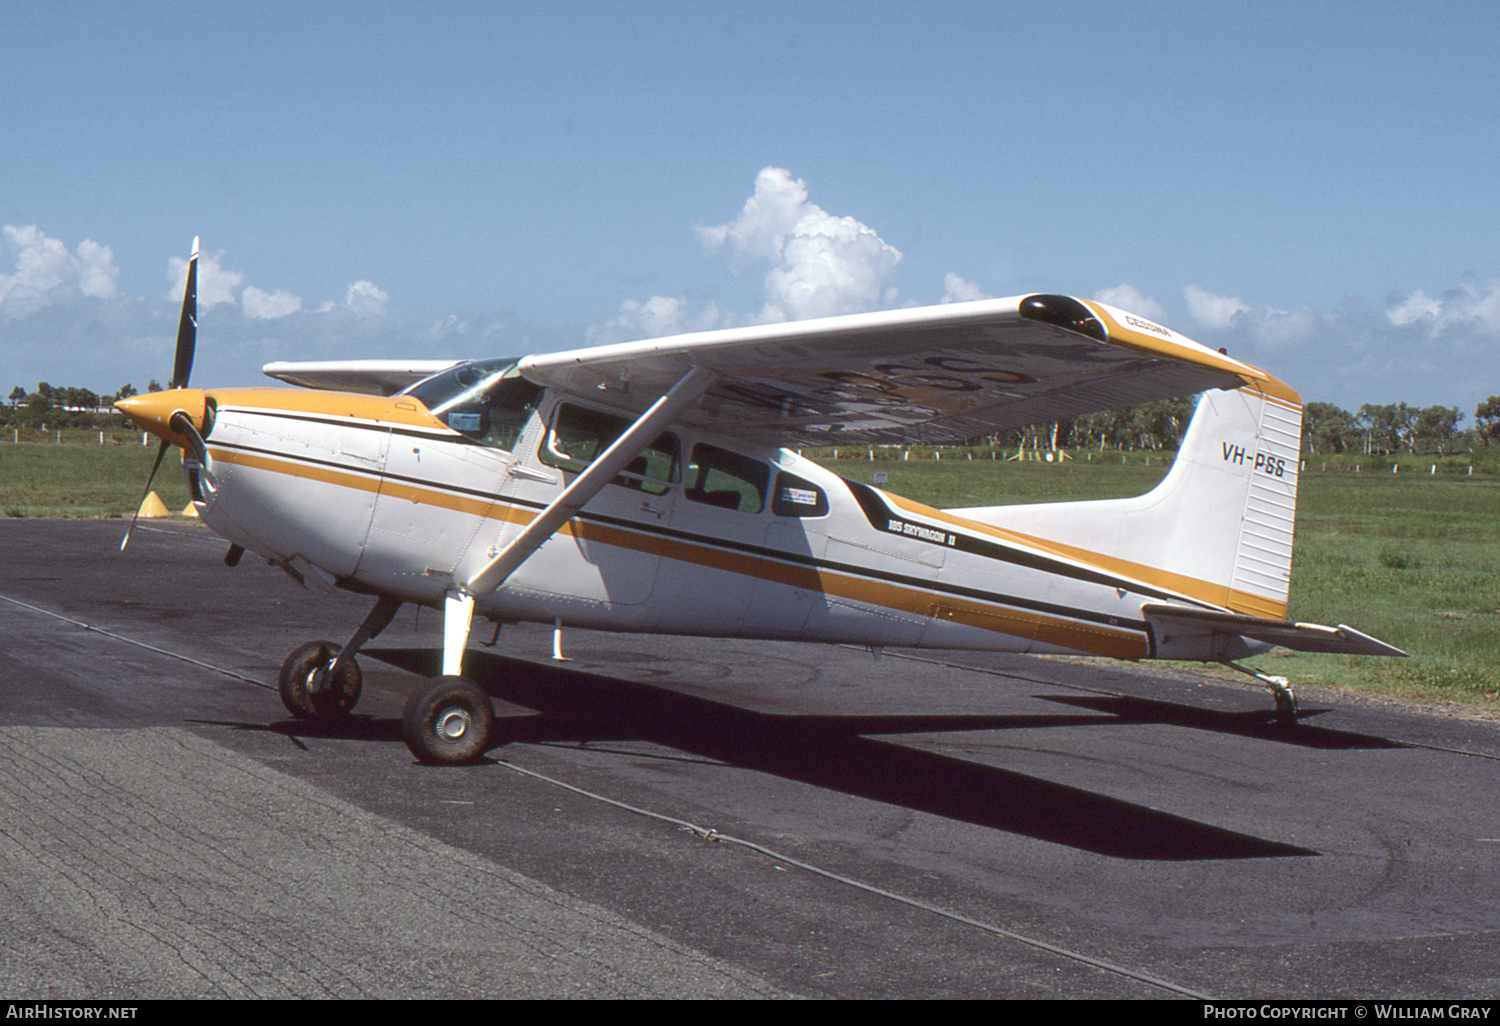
(1218, 528)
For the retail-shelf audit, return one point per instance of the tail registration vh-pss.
(650, 487)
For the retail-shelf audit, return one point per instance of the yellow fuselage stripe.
(1192, 587)
(1051, 630)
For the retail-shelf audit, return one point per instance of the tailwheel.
(448, 723)
(306, 690)
(1286, 702)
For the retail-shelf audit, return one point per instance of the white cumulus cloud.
(47, 273)
(366, 300)
(215, 284)
(268, 306)
(957, 289)
(1462, 307)
(820, 264)
(654, 318)
(1130, 299)
(1210, 309)
(1417, 307)
(1231, 321)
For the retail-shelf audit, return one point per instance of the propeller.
(187, 327)
(182, 369)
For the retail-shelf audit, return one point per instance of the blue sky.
(1312, 186)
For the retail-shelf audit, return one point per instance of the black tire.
(448, 723)
(296, 677)
(1286, 709)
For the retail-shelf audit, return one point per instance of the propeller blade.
(182, 368)
(160, 452)
(187, 328)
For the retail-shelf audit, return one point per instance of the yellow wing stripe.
(1160, 345)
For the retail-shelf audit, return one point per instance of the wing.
(377, 377)
(935, 375)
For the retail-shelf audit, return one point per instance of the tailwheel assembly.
(309, 691)
(448, 722)
(1281, 691)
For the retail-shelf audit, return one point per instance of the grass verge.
(82, 478)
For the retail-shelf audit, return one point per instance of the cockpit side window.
(718, 477)
(484, 400)
(578, 435)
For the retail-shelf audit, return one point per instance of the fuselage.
(702, 535)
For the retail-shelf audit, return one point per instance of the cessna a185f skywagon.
(651, 487)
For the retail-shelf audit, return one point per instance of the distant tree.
(37, 409)
(126, 391)
(1487, 417)
(154, 386)
(16, 395)
(80, 399)
(1390, 427)
(1328, 429)
(1436, 427)
(1160, 424)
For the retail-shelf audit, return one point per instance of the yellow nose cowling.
(154, 412)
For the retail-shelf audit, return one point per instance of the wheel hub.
(452, 724)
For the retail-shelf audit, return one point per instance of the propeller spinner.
(176, 415)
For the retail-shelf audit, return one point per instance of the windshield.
(483, 399)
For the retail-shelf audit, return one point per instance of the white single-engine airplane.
(649, 487)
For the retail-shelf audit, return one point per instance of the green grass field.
(82, 478)
(1412, 558)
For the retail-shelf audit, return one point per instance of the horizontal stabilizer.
(1175, 623)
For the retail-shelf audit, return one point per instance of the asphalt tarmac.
(695, 818)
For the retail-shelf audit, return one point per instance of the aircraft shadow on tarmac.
(1260, 724)
(834, 752)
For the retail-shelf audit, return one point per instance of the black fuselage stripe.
(879, 514)
(760, 551)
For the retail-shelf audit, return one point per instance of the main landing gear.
(448, 722)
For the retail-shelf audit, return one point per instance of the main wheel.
(297, 679)
(448, 723)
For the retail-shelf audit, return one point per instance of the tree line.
(1326, 429)
(1396, 428)
(65, 406)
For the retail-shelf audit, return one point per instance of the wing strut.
(458, 605)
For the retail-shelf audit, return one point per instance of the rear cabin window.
(795, 497)
(578, 435)
(718, 477)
